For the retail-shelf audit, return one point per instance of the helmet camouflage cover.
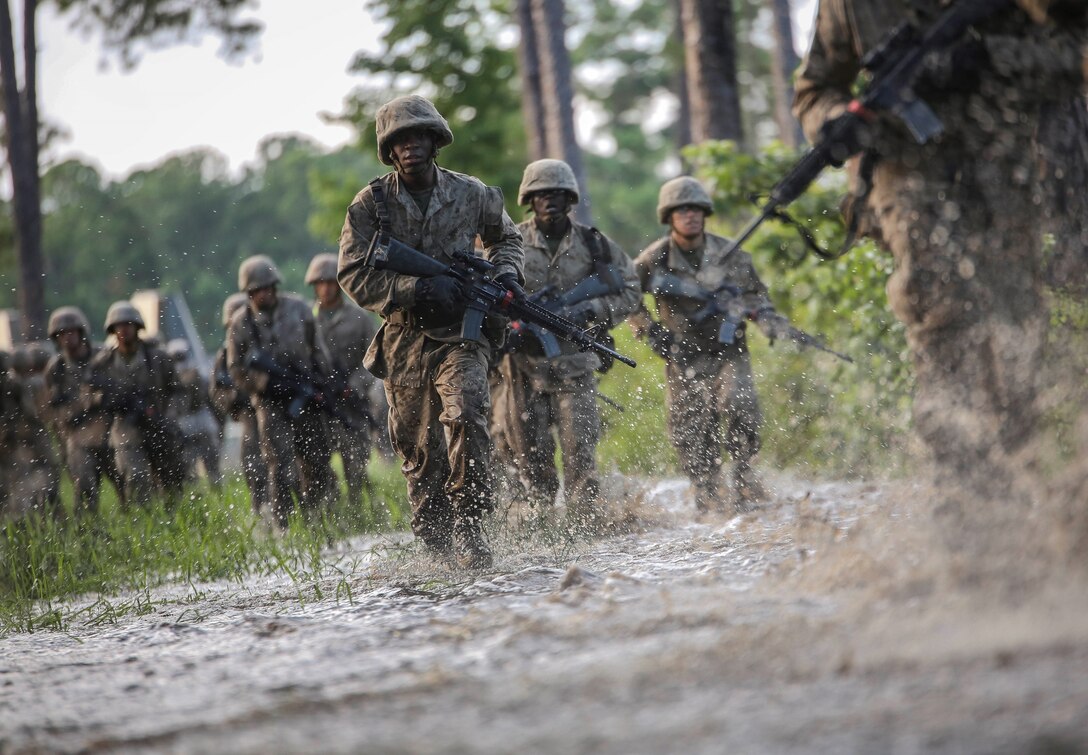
(545, 175)
(681, 191)
(322, 268)
(258, 271)
(68, 318)
(123, 311)
(410, 111)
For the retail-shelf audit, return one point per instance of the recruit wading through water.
(950, 188)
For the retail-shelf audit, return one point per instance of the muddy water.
(824, 622)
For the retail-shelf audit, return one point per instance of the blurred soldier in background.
(546, 392)
(276, 355)
(436, 381)
(132, 381)
(709, 391)
(84, 433)
(347, 331)
(29, 474)
(961, 214)
(29, 362)
(191, 408)
(232, 402)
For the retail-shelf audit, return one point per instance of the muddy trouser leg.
(527, 426)
(133, 464)
(967, 285)
(419, 440)
(311, 443)
(253, 467)
(743, 418)
(354, 449)
(209, 457)
(578, 422)
(278, 455)
(86, 466)
(460, 380)
(693, 419)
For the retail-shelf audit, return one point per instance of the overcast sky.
(186, 96)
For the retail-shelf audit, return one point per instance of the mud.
(834, 619)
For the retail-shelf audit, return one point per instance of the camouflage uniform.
(289, 335)
(84, 434)
(959, 214)
(435, 382)
(29, 475)
(192, 409)
(541, 394)
(232, 402)
(134, 392)
(347, 331)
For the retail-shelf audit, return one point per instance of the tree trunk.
(532, 105)
(21, 143)
(711, 64)
(683, 116)
(784, 62)
(557, 92)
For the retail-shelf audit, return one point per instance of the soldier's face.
(413, 151)
(551, 206)
(263, 299)
(125, 333)
(688, 221)
(70, 341)
(327, 293)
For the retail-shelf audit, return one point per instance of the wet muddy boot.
(439, 542)
(706, 498)
(748, 489)
(470, 547)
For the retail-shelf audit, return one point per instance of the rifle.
(484, 294)
(895, 66)
(669, 285)
(300, 391)
(588, 289)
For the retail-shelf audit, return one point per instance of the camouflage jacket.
(571, 264)
(288, 334)
(714, 268)
(64, 380)
(1028, 65)
(123, 387)
(347, 332)
(461, 209)
(227, 400)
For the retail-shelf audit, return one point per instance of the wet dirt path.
(754, 633)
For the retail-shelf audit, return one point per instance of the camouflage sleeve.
(754, 292)
(64, 407)
(641, 319)
(615, 307)
(828, 71)
(500, 236)
(237, 348)
(377, 290)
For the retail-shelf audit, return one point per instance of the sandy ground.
(834, 619)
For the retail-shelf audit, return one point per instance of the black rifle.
(672, 286)
(484, 294)
(896, 66)
(588, 289)
(297, 389)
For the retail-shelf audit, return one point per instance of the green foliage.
(45, 563)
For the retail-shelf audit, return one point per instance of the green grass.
(45, 563)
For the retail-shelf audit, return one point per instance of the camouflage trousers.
(296, 453)
(440, 432)
(353, 445)
(529, 415)
(31, 480)
(146, 461)
(712, 410)
(253, 467)
(87, 464)
(967, 248)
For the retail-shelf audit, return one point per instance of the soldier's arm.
(613, 308)
(500, 236)
(64, 407)
(320, 361)
(377, 290)
(641, 319)
(828, 72)
(759, 307)
(237, 348)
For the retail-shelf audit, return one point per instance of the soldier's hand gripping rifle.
(732, 318)
(590, 288)
(484, 294)
(300, 391)
(896, 66)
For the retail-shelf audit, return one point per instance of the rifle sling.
(380, 207)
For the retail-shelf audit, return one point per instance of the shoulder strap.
(601, 262)
(377, 191)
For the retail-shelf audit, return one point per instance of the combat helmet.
(123, 311)
(258, 271)
(545, 175)
(322, 268)
(410, 111)
(68, 318)
(232, 304)
(681, 191)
